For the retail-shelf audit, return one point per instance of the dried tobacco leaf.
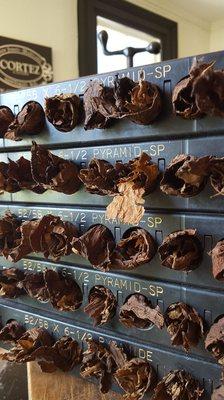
(30, 120)
(10, 283)
(135, 377)
(7, 184)
(217, 255)
(178, 385)
(127, 206)
(138, 312)
(102, 305)
(98, 362)
(12, 331)
(27, 344)
(181, 250)
(49, 235)
(185, 176)
(20, 172)
(63, 111)
(214, 341)
(136, 247)
(35, 286)
(97, 237)
(218, 393)
(217, 175)
(184, 325)
(8, 232)
(140, 102)
(53, 172)
(64, 293)
(208, 90)
(183, 98)
(99, 178)
(65, 354)
(6, 118)
(99, 105)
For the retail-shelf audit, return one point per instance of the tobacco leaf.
(214, 341)
(185, 176)
(7, 184)
(63, 111)
(31, 340)
(98, 362)
(135, 377)
(65, 354)
(12, 331)
(8, 232)
(127, 205)
(183, 97)
(30, 120)
(99, 106)
(10, 283)
(118, 354)
(184, 325)
(208, 90)
(22, 245)
(217, 175)
(218, 393)
(6, 118)
(181, 250)
(138, 312)
(35, 286)
(178, 385)
(136, 247)
(64, 293)
(53, 172)
(99, 178)
(20, 172)
(102, 305)
(96, 237)
(217, 255)
(140, 102)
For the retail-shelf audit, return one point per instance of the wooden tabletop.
(61, 386)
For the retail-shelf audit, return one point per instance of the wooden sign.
(24, 64)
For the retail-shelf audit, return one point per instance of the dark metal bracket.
(129, 52)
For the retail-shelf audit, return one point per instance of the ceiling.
(209, 10)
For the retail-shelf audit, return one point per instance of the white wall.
(217, 36)
(51, 23)
(193, 32)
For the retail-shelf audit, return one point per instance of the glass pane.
(120, 37)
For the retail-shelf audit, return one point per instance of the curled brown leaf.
(98, 362)
(178, 385)
(99, 105)
(181, 250)
(217, 255)
(102, 305)
(99, 178)
(214, 341)
(63, 111)
(184, 325)
(64, 293)
(140, 102)
(9, 224)
(217, 175)
(11, 331)
(96, 237)
(20, 172)
(208, 90)
(10, 283)
(30, 120)
(136, 247)
(218, 393)
(135, 377)
(138, 312)
(185, 176)
(53, 172)
(6, 118)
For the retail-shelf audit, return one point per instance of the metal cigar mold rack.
(167, 137)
